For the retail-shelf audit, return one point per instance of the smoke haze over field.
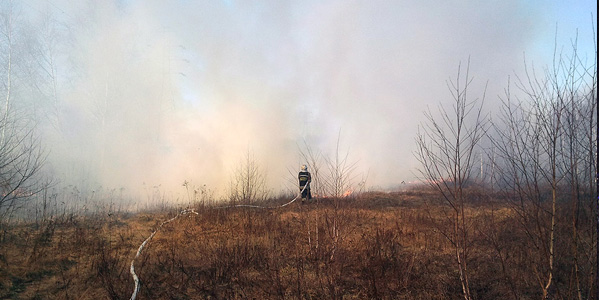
(156, 93)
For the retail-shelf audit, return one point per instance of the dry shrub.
(332, 249)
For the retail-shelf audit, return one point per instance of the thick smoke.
(158, 93)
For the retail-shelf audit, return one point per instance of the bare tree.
(447, 147)
(21, 153)
(547, 155)
(579, 96)
(332, 176)
(248, 183)
(21, 159)
(7, 29)
(340, 176)
(314, 160)
(45, 54)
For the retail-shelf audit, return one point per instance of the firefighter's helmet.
(304, 168)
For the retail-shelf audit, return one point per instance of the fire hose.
(184, 212)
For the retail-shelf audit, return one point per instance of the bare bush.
(315, 162)
(332, 176)
(248, 183)
(447, 147)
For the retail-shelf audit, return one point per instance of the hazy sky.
(183, 89)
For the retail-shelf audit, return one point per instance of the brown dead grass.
(378, 246)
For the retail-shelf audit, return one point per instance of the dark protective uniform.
(304, 180)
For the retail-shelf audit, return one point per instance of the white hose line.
(141, 247)
(184, 212)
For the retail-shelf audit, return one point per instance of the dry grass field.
(375, 246)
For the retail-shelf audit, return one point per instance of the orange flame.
(347, 193)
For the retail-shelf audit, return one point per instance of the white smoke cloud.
(167, 92)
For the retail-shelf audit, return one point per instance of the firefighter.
(304, 181)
